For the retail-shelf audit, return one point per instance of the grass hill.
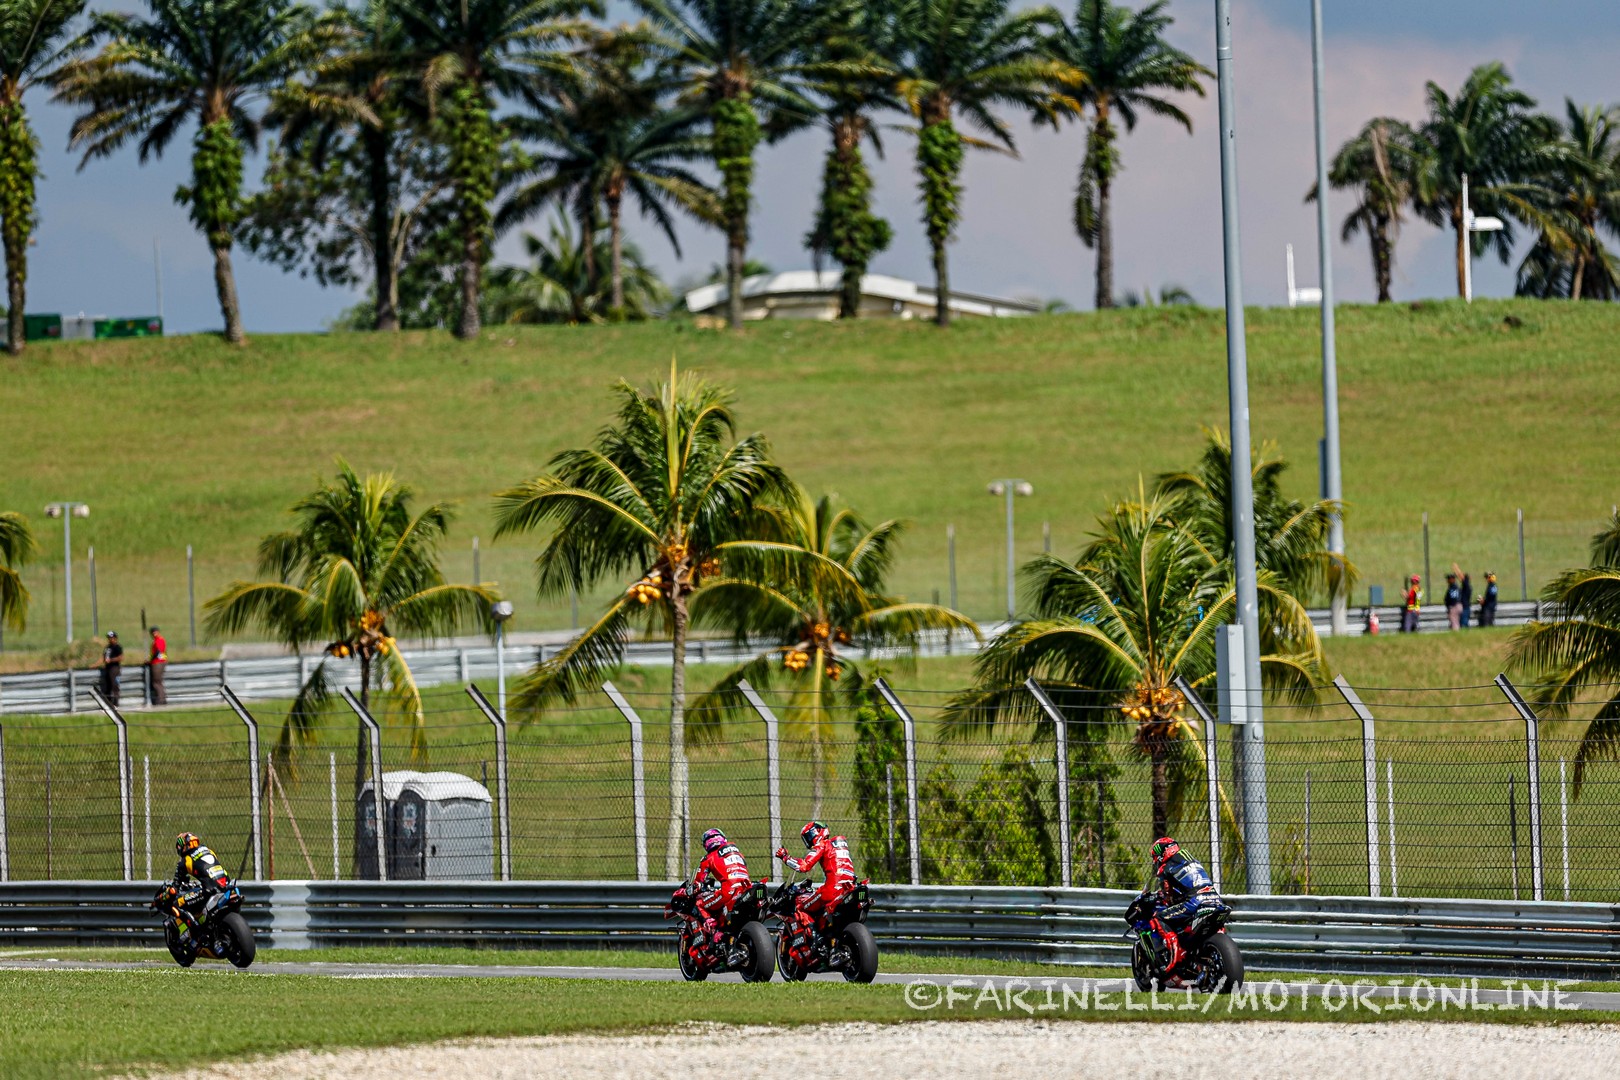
(1465, 412)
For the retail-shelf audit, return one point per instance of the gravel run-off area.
(1219, 1051)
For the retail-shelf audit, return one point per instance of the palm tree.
(965, 57)
(734, 59)
(859, 80)
(1579, 651)
(655, 501)
(1489, 133)
(1140, 605)
(1127, 65)
(34, 42)
(357, 569)
(1378, 164)
(560, 287)
(17, 549)
(815, 619)
(469, 53)
(607, 144)
(191, 60)
(1569, 258)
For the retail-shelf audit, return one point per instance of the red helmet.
(812, 833)
(714, 840)
(1164, 848)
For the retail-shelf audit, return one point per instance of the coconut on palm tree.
(1490, 133)
(191, 61)
(736, 59)
(1570, 259)
(813, 588)
(35, 39)
(609, 143)
(651, 505)
(17, 549)
(1578, 652)
(967, 58)
(358, 569)
(468, 54)
(1378, 165)
(1127, 67)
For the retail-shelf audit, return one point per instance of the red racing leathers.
(725, 873)
(832, 854)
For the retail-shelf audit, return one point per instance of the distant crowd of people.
(1459, 601)
(112, 666)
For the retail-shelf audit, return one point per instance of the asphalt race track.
(1488, 992)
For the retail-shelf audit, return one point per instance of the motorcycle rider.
(199, 864)
(1184, 889)
(720, 879)
(832, 853)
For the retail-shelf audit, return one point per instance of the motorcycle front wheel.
(1141, 966)
(243, 948)
(791, 971)
(759, 954)
(1222, 961)
(691, 970)
(183, 955)
(863, 954)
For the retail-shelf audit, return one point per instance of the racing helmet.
(186, 844)
(714, 840)
(812, 833)
(1164, 849)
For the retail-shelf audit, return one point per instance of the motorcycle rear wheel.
(863, 954)
(1221, 958)
(691, 970)
(243, 948)
(760, 954)
(791, 971)
(183, 955)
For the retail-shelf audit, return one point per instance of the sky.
(109, 229)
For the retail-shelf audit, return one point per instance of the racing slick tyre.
(1141, 966)
(243, 947)
(863, 954)
(759, 953)
(183, 955)
(1222, 960)
(791, 971)
(691, 970)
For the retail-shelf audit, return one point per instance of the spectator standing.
(1487, 603)
(112, 665)
(1467, 599)
(155, 664)
(1414, 597)
(1453, 602)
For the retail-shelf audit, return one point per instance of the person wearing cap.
(1487, 603)
(1454, 603)
(1414, 597)
(156, 662)
(112, 663)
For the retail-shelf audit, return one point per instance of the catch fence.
(1386, 792)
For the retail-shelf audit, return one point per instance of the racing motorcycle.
(836, 940)
(744, 945)
(1210, 963)
(221, 934)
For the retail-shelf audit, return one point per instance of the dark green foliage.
(736, 134)
(880, 748)
(997, 832)
(846, 228)
(19, 169)
(939, 165)
(215, 193)
(1098, 858)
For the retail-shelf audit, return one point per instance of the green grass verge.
(1464, 412)
(73, 1023)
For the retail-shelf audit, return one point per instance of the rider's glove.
(781, 853)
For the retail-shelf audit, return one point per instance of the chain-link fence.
(1395, 792)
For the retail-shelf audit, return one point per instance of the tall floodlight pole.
(1011, 489)
(1256, 827)
(67, 511)
(1333, 481)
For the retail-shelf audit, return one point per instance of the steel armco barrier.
(1349, 935)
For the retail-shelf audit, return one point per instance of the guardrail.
(55, 693)
(1478, 938)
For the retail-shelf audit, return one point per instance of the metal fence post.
(1369, 773)
(254, 793)
(638, 777)
(126, 811)
(773, 763)
(1212, 775)
(5, 847)
(1563, 808)
(1061, 730)
(379, 801)
(909, 727)
(1389, 792)
(500, 774)
(1532, 760)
